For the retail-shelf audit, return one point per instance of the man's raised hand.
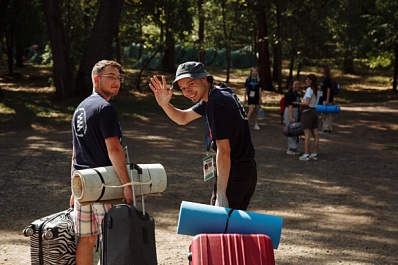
(162, 93)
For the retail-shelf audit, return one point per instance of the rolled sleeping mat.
(98, 184)
(196, 218)
(327, 109)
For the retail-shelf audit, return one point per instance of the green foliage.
(173, 15)
(311, 29)
(384, 59)
(26, 21)
(78, 17)
(239, 22)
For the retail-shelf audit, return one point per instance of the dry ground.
(341, 209)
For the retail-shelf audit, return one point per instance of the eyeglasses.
(114, 78)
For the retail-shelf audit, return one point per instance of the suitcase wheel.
(28, 231)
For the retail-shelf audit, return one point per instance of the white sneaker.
(304, 157)
(292, 152)
(314, 157)
(256, 127)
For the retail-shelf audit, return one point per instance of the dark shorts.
(241, 185)
(254, 100)
(309, 119)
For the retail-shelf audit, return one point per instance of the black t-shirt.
(94, 120)
(253, 84)
(290, 97)
(228, 120)
(325, 84)
(253, 89)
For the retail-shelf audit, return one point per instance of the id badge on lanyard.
(253, 92)
(208, 167)
(208, 161)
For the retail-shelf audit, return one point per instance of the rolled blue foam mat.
(328, 108)
(196, 218)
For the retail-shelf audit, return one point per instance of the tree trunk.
(9, 38)
(348, 66)
(299, 65)
(291, 66)
(264, 62)
(100, 43)
(118, 52)
(277, 73)
(62, 68)
(144, 66)
(141, 43)
(18, 53)
(169, 58)
(3, 19)
(18, 38)
(227, 42)
(201, 33)
(10, 57)
(394, 86)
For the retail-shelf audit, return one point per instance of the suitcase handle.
(139, 170)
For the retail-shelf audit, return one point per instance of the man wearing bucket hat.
(227, 130)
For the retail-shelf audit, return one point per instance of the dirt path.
(341, 209)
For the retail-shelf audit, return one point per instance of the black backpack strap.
(103, 182)
(229, 215)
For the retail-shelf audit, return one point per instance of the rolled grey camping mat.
(103, 184)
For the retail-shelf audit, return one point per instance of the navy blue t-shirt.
(94, 120)
(253, 90)
(290, 97)
(228, 120)
(325, 84)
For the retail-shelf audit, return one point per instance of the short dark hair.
(98, 67)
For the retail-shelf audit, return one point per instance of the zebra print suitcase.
(52, 239)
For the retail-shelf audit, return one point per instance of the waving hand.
(162, 94)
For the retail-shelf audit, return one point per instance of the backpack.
(282, 105)
(336, 88)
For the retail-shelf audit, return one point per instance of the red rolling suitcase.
(232, 249)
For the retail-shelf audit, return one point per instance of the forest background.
(72, 35)
(342, 211)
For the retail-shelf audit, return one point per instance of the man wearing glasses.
(97, 143)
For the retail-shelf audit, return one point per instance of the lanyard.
(253, 83)
(208, 136)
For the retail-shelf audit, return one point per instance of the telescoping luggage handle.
(139, 170)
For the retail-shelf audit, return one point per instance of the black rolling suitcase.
(128, 235)
(52, 239)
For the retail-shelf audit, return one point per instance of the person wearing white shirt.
(309, 118)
